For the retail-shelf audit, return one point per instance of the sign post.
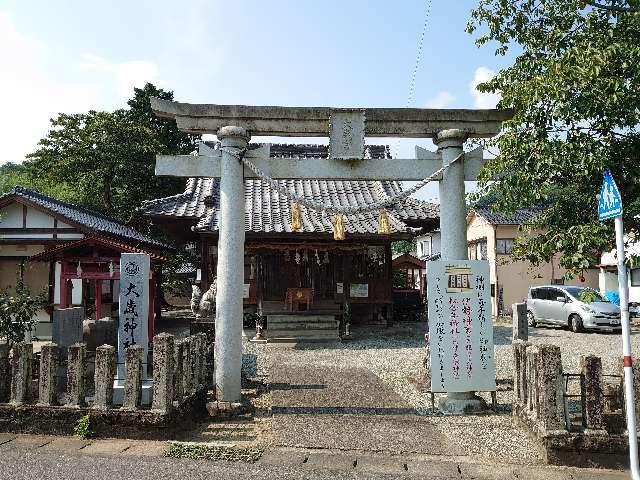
(610, 206)
(461, 333)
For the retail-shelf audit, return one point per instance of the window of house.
(425, 247)
(482, 250)
(635, 277)
(478, 250)
(504, 245)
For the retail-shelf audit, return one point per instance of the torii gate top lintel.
(314, 121)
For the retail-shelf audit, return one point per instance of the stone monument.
(133, 329)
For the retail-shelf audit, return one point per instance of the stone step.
(302, 326)
(311, 335)
(296, 319)
(284, 340)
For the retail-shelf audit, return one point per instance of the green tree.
(12, 174)
(106, 160)
(403, 246)
(575, 89)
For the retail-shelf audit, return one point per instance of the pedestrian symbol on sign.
(610, 204)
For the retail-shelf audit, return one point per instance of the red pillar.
(98, 284)
(63, 287)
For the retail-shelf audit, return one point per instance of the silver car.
(575, 307)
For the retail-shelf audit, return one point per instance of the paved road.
(66, 458)
(31, 465)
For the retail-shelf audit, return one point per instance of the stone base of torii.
(346, 128)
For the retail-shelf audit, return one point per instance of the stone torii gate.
(346, 129)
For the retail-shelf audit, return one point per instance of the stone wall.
(45, 405)
(591, 435)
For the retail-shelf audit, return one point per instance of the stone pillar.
(134, 359)
(187, 366)
(550, 388)
(520, 371)
(163, 372)
(204, 348)
(21, 373)
(520, 325)
(105, 372)
(453, 209)
(532, 380)
(230, 272)
(5, 373)
(194, 345)
(48, 384)
(178, 358)
(75, 374)
(591, 391)
(453, 234)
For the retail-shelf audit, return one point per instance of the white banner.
(133, 328)
(460, 326)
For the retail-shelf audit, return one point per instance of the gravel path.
(321, 392)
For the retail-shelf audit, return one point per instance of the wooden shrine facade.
(96, 263)
(333, 273)
(280, 261)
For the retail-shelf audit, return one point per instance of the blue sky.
(74, 56)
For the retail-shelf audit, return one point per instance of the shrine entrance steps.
(302, 326)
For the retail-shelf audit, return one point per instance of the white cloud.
(127, 75)
(32, 93)
(483, 100)
(442, 99)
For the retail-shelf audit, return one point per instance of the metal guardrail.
(570, 426)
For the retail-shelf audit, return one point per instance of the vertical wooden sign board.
(460, 326)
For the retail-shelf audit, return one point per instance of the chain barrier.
(334, 210)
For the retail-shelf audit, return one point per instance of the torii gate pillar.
(453, 210)
(230, 271)
(453, 234)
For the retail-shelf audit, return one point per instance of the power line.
(416, 66)
(419, 55)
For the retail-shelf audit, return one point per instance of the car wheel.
(576, 323)
(531, 320)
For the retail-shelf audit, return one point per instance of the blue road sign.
(610, 204)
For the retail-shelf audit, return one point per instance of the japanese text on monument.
(134, 302)
(461, 335)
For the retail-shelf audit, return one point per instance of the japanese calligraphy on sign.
(133, 326)
(346, 134)
(460, 326)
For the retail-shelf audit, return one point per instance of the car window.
(554, 293)
(586, 295)
(533, 293)
(545, 293)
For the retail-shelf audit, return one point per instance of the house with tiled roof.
(280, 261)
(491, 236)
(68, 253)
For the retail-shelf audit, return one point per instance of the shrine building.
(305, 273)
(70, 254)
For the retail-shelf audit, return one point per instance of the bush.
(82, 428)
(17, 313)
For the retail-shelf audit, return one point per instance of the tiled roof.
(97, 222)
(122, 247)
(267, 211)
(521, 216)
